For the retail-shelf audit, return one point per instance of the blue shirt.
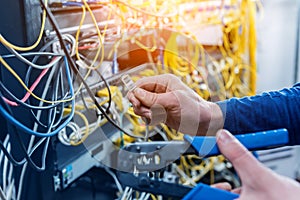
(266, 111)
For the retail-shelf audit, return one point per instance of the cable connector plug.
(128, 82)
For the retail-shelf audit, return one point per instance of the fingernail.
(140, 92)
(224, 136)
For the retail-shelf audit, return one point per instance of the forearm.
(270, 110)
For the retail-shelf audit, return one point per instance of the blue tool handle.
(205, 192)
(207, 146)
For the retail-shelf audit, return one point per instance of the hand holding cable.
(164, 98)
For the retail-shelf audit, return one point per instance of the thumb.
(149, 99)
(246, 165)
(157, 103)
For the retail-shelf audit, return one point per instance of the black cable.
(12, 97)
(28, 158)
(108, 89)
(23, 148)
(105, 83)
(10, 158)
(53, 110)
(74, 68)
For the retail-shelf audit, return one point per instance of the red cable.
(33, 86)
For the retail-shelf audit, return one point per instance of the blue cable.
(25, 129)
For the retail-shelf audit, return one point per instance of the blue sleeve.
(267, 111)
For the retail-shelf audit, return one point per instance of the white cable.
(161, 133)
(73, 41)
(10, 190)
(23, 59)
(62, 137)
(124, 195)
(38, 116)
(10, 174)
(142, 197)
(2, 195)
(8, 183)
(188, 179)
(33, 54)
(5, 165)
(147, 196)
(76, 134)
(129, 194)
(4, 144)
(118, 184)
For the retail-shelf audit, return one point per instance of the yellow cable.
(18, 48)
(153, 197)
(101, 38)
(73, 142)
(78, 31)
(25, 87)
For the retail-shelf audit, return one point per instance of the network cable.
(23, 59)
(38, 116)
(33, 54)
(12, 159)
(6, 43)
(105, 83)
(25, 129)
(73, 67)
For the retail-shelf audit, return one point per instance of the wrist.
(211, 120)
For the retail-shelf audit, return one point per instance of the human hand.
(258, 181)
(164, 98)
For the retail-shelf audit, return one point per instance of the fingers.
(143, 112)
(134, 101)
(237, 190)
(151, 105)
(222, 186)
(226, 186)
(149, 99)
(160, 83)
(243, 161)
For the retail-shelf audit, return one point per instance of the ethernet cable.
(17, 101)
(100, 37)
(11, 103)
(23, 59)
(32, 138)
(28, 155)
(2, 195)
(130, 85)
(6, 43)
(27, 130)
(76, 71)
(25, 87)
(33, 54)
